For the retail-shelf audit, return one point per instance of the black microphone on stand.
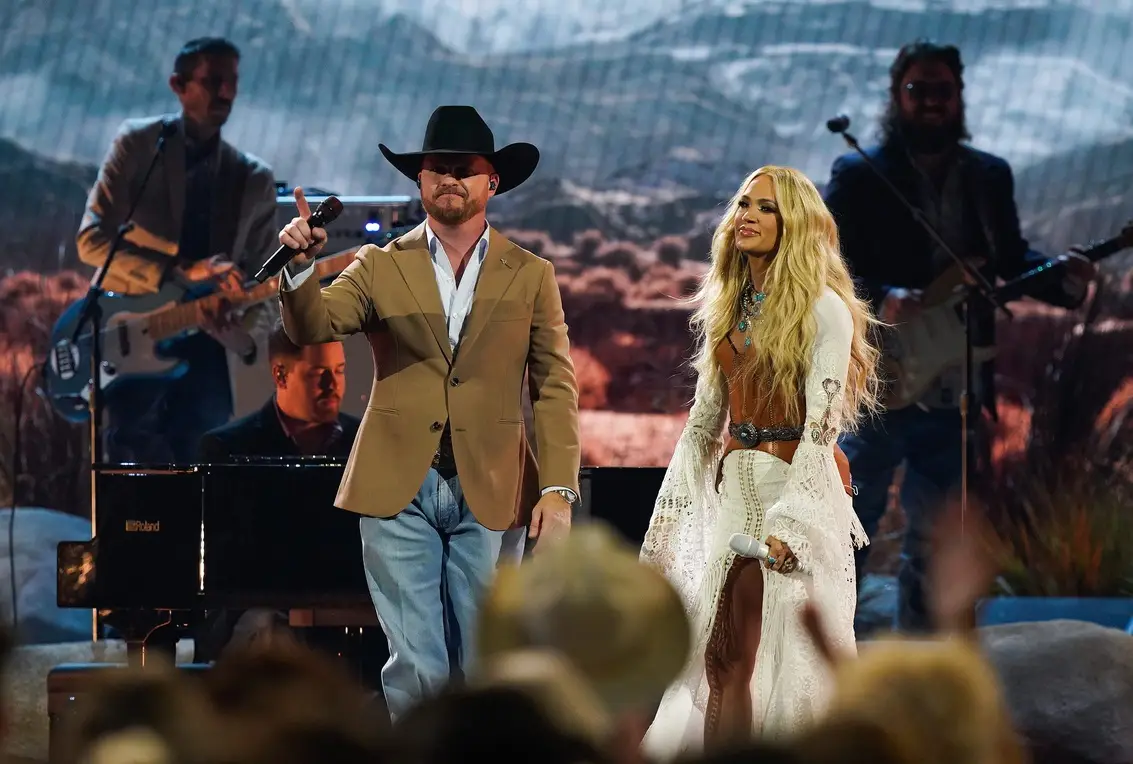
(839, 124)
(327, 212)
(168, 128)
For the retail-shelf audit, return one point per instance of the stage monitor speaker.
(623, 497)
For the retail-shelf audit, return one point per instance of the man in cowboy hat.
(456, 315)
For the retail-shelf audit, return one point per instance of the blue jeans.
(928, 443)
(513, 545)
(427, 568)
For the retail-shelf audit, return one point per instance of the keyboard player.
(302, 418)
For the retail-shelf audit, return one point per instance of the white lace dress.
(804, 505)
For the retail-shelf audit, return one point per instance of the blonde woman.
(784, 358)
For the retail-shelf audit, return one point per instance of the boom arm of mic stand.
(90, 313)
(94, 291)
(979, 283)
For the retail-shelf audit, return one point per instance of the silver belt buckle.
(748, 435)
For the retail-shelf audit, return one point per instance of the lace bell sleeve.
(676, 542)
(813, 515)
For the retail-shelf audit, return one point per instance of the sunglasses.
(458, 171)
(920, 90)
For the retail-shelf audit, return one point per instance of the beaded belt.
(750, 436)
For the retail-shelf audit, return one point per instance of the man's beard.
(450, 215)
(931, 139)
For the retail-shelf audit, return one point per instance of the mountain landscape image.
(647, 116)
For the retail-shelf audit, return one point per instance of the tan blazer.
(244, 208)
(516, 325)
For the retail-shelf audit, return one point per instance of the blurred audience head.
(136, 716)
(753, 752)
(850, 741)
(285, 703)
(618, 622)
(556, 686)
(500, 724)
(939, 699)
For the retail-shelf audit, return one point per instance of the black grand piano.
(173, 542)
(183, 540)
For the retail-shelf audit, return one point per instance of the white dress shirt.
(456, 299)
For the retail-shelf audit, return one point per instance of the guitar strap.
(976, 190)
(228, 202)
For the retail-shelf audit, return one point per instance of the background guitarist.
(968, 195)
(207, 214)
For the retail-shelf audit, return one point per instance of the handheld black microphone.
(839, 124)
(328, 210)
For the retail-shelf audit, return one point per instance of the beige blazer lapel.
(174, 161)
(496, 274)
(411, 256)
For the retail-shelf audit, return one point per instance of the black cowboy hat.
(461, 130)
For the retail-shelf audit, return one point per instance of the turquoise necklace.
(751, 305)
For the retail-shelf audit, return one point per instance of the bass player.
(206, 208)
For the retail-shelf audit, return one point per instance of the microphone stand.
(90, 315)
(976, 285)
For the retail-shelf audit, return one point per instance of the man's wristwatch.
(567, 494)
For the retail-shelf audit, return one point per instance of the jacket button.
(436, 426)
(454, 381)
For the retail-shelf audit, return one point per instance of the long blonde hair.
(808, 260)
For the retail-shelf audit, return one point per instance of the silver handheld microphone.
(749, 546)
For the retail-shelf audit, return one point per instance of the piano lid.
(280, 461)
(146, 468)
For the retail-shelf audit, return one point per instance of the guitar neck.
(1103, 249)
(171, 321)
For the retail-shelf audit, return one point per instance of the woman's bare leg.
(730, 656)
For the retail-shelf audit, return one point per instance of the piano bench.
(68, 683)
(335, 617)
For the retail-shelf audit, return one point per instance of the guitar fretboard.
(169, 322)
(1102, 249)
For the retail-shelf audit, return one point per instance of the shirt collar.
(434, 242)
(196, 147)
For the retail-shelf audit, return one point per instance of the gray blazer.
(246, 190)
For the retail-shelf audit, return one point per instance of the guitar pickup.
(65, 359)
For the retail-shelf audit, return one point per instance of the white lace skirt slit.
(751, 482)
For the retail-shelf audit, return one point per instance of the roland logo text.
(143, 526)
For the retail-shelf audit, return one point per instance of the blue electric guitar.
(134, 330)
